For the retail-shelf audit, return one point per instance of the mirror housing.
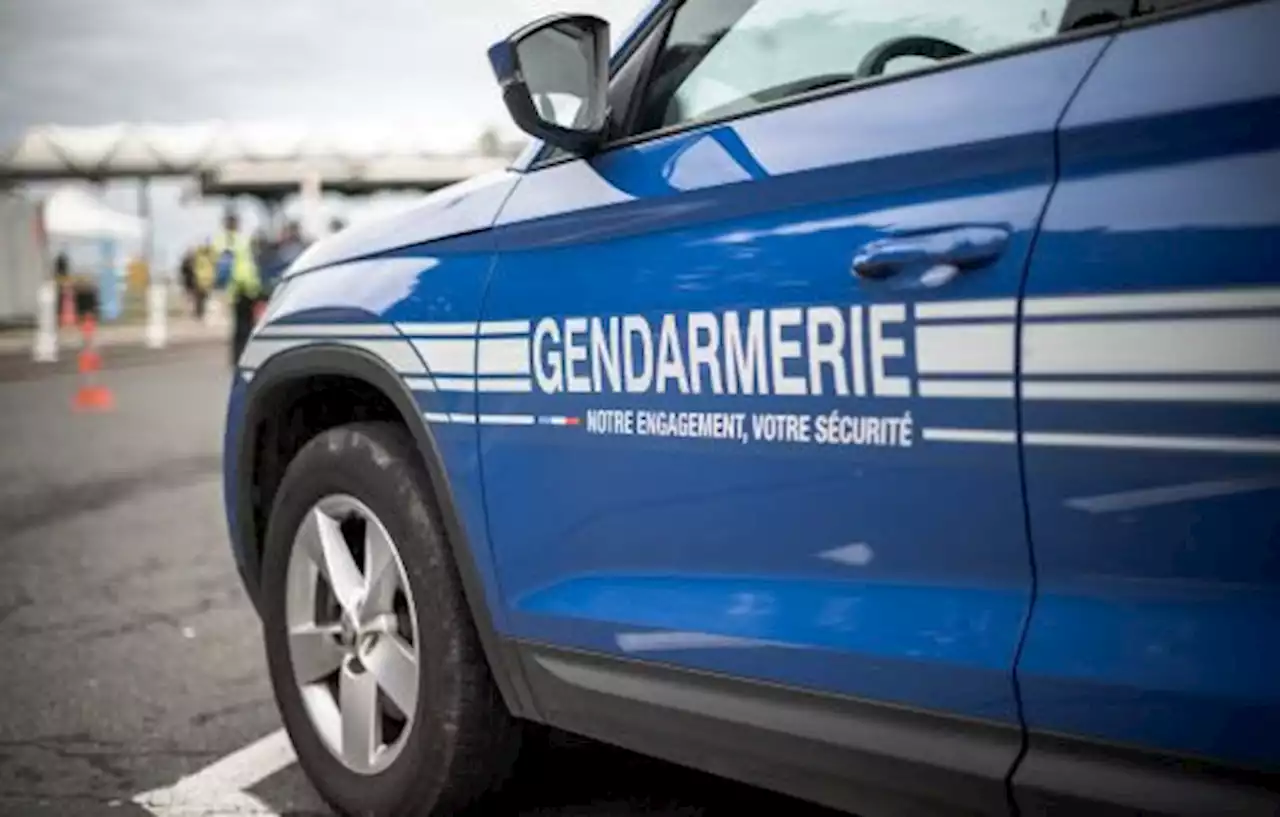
(554, 75)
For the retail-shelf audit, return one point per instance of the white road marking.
(218, 789)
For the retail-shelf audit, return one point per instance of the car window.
(724, 57)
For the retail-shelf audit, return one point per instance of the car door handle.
(939, 255)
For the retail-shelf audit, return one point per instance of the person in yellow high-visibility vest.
(238, 272)
(203, 272)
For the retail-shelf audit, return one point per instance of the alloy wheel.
(353, 633)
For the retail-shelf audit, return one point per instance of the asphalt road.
(132, 658)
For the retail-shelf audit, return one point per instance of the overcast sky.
(96, 61)
(90, 62)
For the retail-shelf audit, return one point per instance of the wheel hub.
(348, 634)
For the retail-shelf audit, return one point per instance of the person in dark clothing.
(192, 286)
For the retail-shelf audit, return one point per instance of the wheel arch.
(270, 385)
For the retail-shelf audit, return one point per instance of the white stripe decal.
(504, 356)
(554, 421)
(965, 388)
(1217, 346)
(1223, 445)
(974, 308)
(1195, 301)
(460, 418)
(256, 352)
(507, 419)
(504, 385)
(1191, 392)
(969, 435)
(326, 330)
(468, 385)
(982, 348)
(452, 356)
(506, 327)
(463, 384)
(398, 353)
(465, 330)
(395, 352)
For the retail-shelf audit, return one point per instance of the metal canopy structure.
(269, 161)
(274, 178)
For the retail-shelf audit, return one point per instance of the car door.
(746, 376)
(1150, 394)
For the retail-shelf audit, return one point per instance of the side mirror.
(554, 75)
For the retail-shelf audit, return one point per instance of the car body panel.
(465, 207)
(1151, 430)
(792, 562)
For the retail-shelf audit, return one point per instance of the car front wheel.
(376, 666)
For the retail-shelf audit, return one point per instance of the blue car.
(875, 401)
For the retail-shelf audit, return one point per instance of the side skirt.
(853, 755)
(1065, 776)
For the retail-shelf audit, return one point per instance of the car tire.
(461, 743)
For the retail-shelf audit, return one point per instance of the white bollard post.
(45, 347)
(214, 310)
(157, 316)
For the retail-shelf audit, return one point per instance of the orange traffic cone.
(92, 395)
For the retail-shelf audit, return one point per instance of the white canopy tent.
(70, 213)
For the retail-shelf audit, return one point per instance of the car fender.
(335, 359)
